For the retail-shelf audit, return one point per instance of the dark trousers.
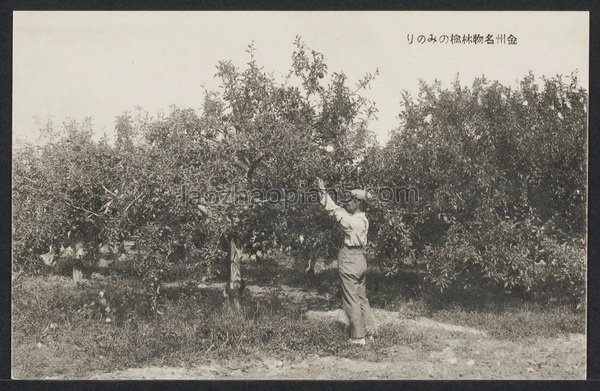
(352, 266)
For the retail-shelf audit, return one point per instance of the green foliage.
(564, 274)
(501, 176)
(390, 227)
(252, 133)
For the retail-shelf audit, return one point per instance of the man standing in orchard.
(352, 263)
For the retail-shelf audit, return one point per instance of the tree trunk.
(77, 272)
(310, 269)
(235, 286)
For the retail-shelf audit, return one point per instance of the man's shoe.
(358, 341)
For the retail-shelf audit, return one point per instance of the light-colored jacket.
(355, 225)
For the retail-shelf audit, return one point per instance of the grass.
(501, 317)
(195, 326)
(522, 321)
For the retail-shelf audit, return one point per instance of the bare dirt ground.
(461, 353)
(467, 354)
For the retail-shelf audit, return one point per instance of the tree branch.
(131, 203)
(24, 177)
(80, 208)
(254, 165)
(108, 191)
(241, 165)
(30, 180)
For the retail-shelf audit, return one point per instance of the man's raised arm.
(340, 214)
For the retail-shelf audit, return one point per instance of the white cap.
(361, 194)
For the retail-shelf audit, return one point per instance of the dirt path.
(460, 353)
(558, 358)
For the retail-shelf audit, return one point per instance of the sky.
(100, 64)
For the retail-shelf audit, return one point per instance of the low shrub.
(507, 258)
